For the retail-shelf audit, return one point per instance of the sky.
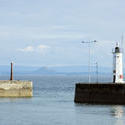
(49, 32)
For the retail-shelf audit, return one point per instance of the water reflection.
(117, 112)
(102, 114)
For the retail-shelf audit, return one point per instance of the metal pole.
(97, 71)
(89, 66)
(11, 75)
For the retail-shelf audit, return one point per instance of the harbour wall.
(101, 93)
(15, 88)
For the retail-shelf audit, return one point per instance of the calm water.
(53, 104)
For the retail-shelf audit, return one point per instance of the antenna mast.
(122, 42)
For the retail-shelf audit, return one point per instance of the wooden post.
(11, 75)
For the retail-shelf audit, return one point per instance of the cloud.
(27, 49)
(42, 48)
(39, 48)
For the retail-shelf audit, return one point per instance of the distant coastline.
(57, 70)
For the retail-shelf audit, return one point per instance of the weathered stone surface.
(106, 93)
(15, 88)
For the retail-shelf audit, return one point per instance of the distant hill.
(44, 70)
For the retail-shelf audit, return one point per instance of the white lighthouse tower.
(117, 65)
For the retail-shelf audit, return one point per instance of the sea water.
(53, 104)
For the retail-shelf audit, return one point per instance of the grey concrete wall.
(100, 93)
(16, 88)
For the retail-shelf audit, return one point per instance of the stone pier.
(15, 88)
(101, 93)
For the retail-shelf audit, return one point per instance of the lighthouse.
(117, 65)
